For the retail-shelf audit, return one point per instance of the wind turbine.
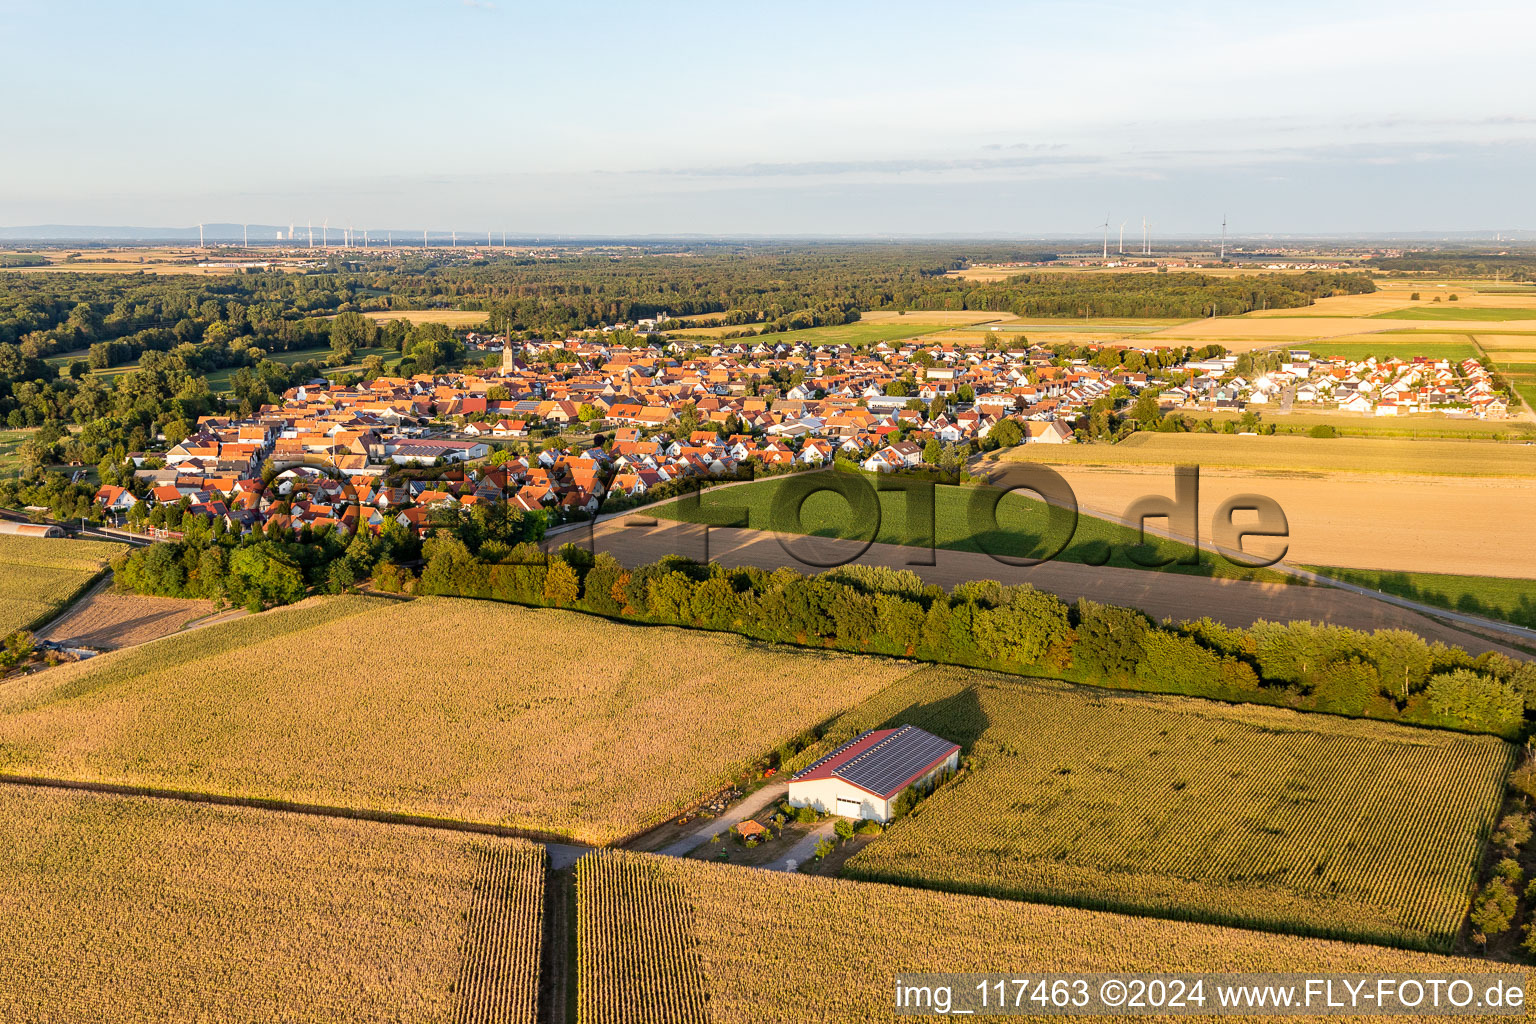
(1223, 238)
(423, 238)
(1122, 238)
(325, 234)
(200, 236)
(453, 239)
(365, 238)
(1144, 249)
(487, 238)
(247, 229)
(1106, 236)
(311, 226)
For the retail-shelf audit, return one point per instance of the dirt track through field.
(638, 539)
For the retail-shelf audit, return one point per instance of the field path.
(804, 849)
(636, 539)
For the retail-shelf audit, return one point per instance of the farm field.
(1296, 453)
(858, 334)
(1254, 816)
(140, 910)
(107, 621)
(1457, 311)
(1359, 519)
(1024, 525)
(1400, 346)
(451, 317)
(1513, 600)
(811, 973)
(542, 720)
(1519, 368)
(1420, 426)
(41, 574)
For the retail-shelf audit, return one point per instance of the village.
(566, 429)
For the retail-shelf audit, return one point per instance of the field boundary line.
(294, 807)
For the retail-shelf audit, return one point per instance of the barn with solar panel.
(862, 778)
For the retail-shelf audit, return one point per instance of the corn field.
(499, 976)
(777, 948)
(39, 575)
(635, 938)
(1165, 805)
(538, 719)
(140, 911)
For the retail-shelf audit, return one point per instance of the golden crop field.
(499, 970)
(451, 317)
(537, 719)
(1387, 503)
(1247, 815)
(1296, 453)
(636, 960)
(41, 574)
(139, 910)
(783, 948)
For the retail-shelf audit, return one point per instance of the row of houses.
(1387, 387)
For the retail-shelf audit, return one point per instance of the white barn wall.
(822, 795)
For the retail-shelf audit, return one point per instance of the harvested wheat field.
(451, 317)
(811, 972)
(39, 575)
(1192, 809)
(542, 720)
(1296, 454)
(106, 621)
(140, 910)
(1390, 503)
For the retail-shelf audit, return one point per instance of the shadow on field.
(958, 717)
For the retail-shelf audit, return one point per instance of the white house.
(1046, 432)
(863, 777)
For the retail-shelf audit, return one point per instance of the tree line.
(1388, 674)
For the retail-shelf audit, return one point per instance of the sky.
(848, 118)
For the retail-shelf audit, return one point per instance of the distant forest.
(1504, 266)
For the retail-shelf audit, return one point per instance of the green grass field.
(10, 440)
(218, 380)
(1451, 311)
(1429, 425)
(1521, 377)
(1024, 526)
(1191, 809)
(1395, 348)
(1512, 600)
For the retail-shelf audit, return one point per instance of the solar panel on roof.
(894, 760)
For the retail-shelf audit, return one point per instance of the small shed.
(750, 828)
(861, 778)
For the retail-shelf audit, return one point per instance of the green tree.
(350, 332)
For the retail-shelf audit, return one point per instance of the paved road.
(743, 810)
